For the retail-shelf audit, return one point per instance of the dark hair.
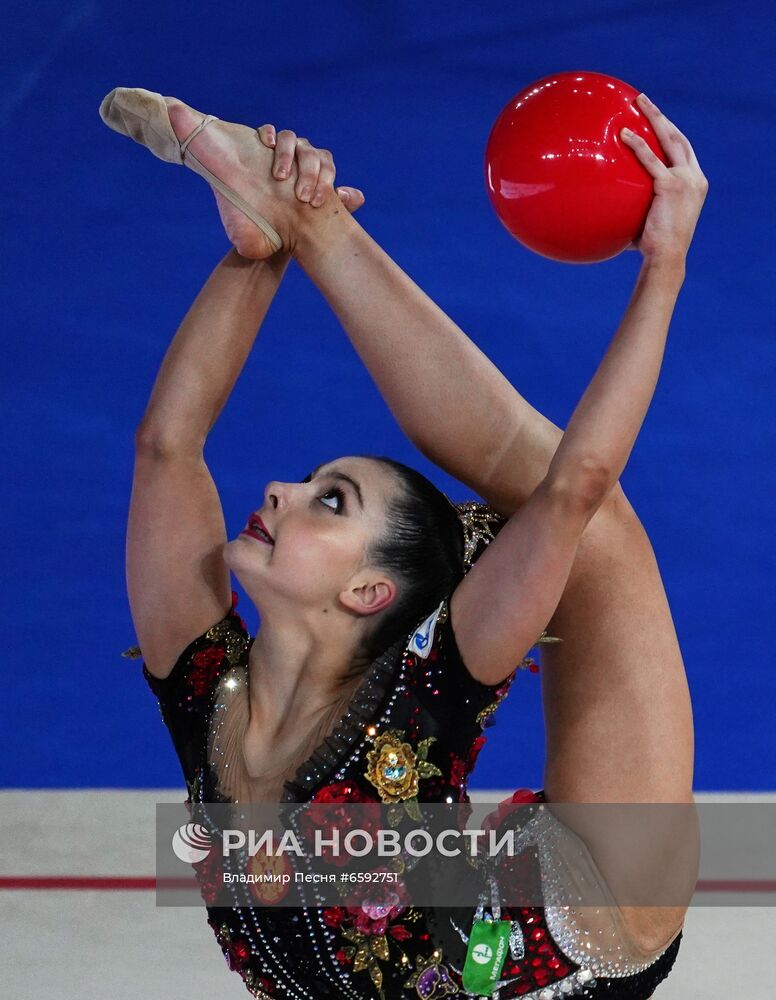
(421, 546)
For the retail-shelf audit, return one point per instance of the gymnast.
(376, 591)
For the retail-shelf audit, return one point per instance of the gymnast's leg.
(617, 707)
(619, 725)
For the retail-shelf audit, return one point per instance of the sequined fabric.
(411, 732)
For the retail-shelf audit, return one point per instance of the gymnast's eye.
(334, 499)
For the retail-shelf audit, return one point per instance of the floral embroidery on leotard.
(395, 769)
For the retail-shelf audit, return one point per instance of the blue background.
(106, 247)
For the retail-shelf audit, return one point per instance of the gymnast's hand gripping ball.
(558, 174)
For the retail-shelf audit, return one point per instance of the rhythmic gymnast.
(376, 592)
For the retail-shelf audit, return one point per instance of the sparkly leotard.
(418, 705)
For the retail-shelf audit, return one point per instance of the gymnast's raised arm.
(461, 412)
(177, 581)
(512, 592)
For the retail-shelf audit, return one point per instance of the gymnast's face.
(307, 545)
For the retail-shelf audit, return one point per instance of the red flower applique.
(207, 663)
(320, 815)
(366, 923)
(333, 916)
(238, 954)
(235, 602)
(522, 797)
(341, 791)
(387, 901)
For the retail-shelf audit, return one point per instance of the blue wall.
(106, 248)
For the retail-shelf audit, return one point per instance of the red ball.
(558, 174)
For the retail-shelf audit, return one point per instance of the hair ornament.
(480, 525)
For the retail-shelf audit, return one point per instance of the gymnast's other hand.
(315, 168)
(680, 187)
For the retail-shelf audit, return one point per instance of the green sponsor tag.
(485, 956)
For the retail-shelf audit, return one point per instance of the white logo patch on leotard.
(423, 638)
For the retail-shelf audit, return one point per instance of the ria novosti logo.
(191, 843)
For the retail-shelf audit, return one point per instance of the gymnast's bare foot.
(235, 154)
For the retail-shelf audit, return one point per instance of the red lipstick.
(255, 528)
